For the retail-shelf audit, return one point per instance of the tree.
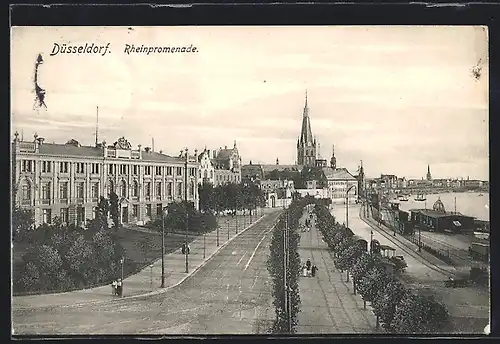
(365, 263)
(419, 314)
(23, 221)
(206, 195)
(47, 262)
(114, 209)
(372, 284)
(79, 258)
(348, 256)
(385, 304)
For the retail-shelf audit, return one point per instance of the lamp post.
(347, 206)
(165, 213)
(371, 241)
(285, 265)
(186, 205)
(121, 262)
(227, 222)
(419, 241)
(151, 277)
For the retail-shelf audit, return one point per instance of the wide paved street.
(328, 304)
(230, 294)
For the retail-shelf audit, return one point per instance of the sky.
(398, 98)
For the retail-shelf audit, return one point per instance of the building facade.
(341, 185)
(227, 165)
(67, 180)
(206, 170)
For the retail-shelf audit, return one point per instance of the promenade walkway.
(148, 280)
(328, 304)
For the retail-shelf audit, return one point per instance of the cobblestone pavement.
(230, 294)
(327, 302)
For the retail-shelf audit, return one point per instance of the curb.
(152, 293)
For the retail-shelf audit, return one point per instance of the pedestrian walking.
(308, 264)
(314, 269)
(113, 287)
(304, 270)
(188, 249)
(183, 248)
(120, 287)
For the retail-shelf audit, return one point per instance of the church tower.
(333, 160)
(361, 179)
(429, 177)
(306, 144)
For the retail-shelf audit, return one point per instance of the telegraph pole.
(187, 210)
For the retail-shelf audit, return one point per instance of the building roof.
(337, 174)
(438, 214)
(306, 132)
(70, 150)
(270, 168)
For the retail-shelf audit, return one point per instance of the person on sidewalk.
(183, 248)
(188, 249)
(314, 269)
(120, 287)
(113, 287)
(308, 265)
(304, 270)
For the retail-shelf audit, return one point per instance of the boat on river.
(420, 197)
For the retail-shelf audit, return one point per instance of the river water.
(468, 203)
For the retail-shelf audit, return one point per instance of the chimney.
(140, 151)
(105, 149)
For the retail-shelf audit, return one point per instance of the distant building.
(67, 180)
(306, 143)
(227, 165)
(338, 182)
(206, 170)
(428, 177)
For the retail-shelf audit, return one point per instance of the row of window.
(80, 213)
(123, 190)
(123, 169)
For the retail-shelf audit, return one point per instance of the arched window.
(123, 189)
(206, 174)
(211, 174)
(135, 189)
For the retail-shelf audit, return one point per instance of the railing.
(135, 198)
(63, 200)
(45, 201)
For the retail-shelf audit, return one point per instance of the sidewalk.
(147, 281)
(327, 302)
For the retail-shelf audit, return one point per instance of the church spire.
(306, 132)
(429, 177)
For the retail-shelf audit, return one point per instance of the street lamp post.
(371, 241)
(121, 262)
(347, 206)
(227, 222)
(419, 241)
(165, 213)
(187, 210)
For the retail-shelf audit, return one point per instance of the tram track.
(405, 249)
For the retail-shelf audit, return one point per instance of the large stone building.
(341, 185)
(67, 180)
(227, 165)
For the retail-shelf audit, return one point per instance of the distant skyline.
(397, 98)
